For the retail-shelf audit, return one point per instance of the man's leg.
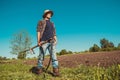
(42, 52)
(52, 51)
(40, 57)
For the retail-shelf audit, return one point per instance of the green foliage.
(19, 42)
(106, 44)
(109, 49)
(63, 52)
(92, 73)
(3, 58)
(95, 48)
(118, 46)
(21, 55)
(20, 71)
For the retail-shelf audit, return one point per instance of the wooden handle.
(33, 47)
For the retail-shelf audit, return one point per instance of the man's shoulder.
(41, 21)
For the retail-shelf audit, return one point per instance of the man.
(46, 33)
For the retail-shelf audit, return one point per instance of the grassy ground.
(19, 71)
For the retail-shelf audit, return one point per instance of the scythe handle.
(33, 47)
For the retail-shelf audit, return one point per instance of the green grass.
(20, 71)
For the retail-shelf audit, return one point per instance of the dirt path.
(100, 58)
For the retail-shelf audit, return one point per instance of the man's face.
(48, 15)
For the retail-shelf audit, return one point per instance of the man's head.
(48, 14)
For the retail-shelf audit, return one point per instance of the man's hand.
(40, 43)
(55, 42)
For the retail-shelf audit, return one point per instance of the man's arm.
(38, 38)
(39, 30)
(55, 38)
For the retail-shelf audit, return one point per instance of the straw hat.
(46, 12)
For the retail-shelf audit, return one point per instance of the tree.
(111, 45)
(118, 46)
(106, 44)
(19, 42)
(95, 48)
(62, 52)
(3, 58)
(70, 52)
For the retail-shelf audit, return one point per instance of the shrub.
(64, 52)
(95, 48)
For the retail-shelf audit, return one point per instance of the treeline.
(105, 45)
(64, 52)
(3, 58)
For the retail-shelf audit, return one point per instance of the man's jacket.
(41, 27)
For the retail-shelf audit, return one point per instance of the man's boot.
(56, 72)
(36, 70)
(39, 71)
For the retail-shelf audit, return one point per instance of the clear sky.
(79, 23)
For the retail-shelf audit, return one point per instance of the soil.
(103, 59)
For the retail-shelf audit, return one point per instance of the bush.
(118, 47)
(64, 52)
(95, 48)
(106, 44)
(3, 58)
(21, 56)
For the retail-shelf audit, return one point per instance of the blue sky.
(79, 23)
